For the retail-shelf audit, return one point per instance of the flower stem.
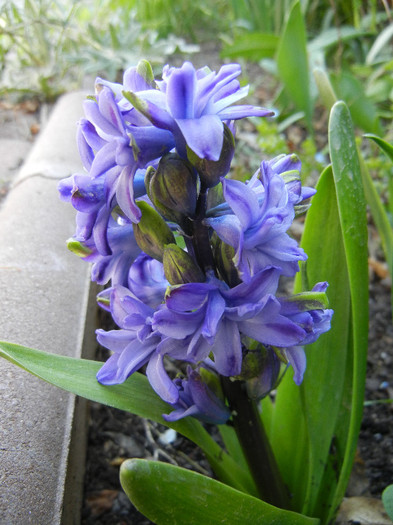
(255, 445)
(200, 238)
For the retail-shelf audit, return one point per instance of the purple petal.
(109, 109)
(114, 340)
(268, 327)
(181, 90)
(94, 115)
(160, 381)
(297, 359)
(104, 159)
(227, 349)
(238, 112)
(242, 200)
(125, 193)
(204, 136)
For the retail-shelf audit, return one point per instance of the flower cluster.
(193, 257)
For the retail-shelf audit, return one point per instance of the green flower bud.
(223, 256)
(210, 171)
(173, 187)
(145, 70)
(180, 267)
(260, 369)
(78, 248)
(152, 233)
(212, 380)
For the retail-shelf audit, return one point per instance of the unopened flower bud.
(261, 369)
(152, 233)
(173, 187)
(180, 267)
(78, 248)
(223, 256)
(210, 171)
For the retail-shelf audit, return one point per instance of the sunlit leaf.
(380, 44)
(333, 37)
(170, 495)
(378, 212)
(363, 111)
(385, 146)
(295, 406)
(387, 500)
(252, 46)
(325, 412)
(353, 220)
(292, 62)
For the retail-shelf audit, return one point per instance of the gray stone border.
(47, 303)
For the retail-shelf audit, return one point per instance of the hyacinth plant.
(192, 261)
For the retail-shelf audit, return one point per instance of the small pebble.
(167, 437)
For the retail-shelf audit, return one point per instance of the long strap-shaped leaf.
(314, 428)
(304, 418)
(292, 62)
(135, 395)
(352, 210)
(378, 212)
(170, 495)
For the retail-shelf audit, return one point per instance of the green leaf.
(325, 412)
(352, 211)
(333, 37)
(252, 46)
(170, 495)
(134, 395)
(292, 63)
(377, 209)
(385, 146)
(387, 500)
(363, 110)
(325, 88)
(380, 44)
(310, 411)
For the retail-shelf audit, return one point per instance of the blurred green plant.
(356, 57)
(191, 20)
(33, 41)
(48, 46)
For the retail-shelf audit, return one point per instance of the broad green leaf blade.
(380, 218)
(333, 37)
(170, 495)
(135, 395)
(387, 500)
(379, 44)
(352, 210)
(292, 63)
(363, 110)
(377, 210)
(385, 146)
(252, 46)
(310, 411)
(325, 412)
(325, 88)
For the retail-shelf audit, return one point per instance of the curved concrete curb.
(45, 304)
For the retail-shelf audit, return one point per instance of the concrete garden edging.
(47, 303)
